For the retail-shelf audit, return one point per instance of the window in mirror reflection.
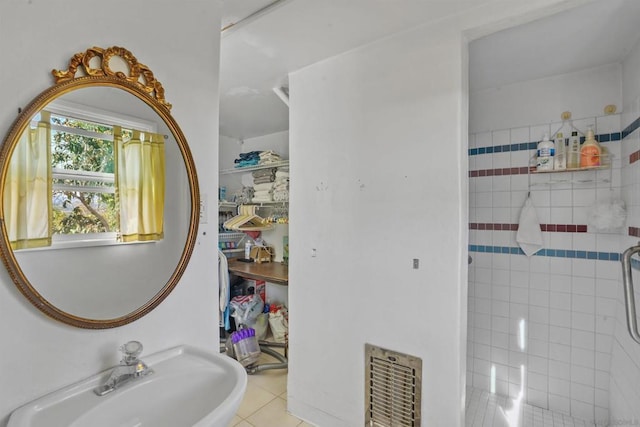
(85, 176)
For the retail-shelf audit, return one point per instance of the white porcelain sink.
(189, 387)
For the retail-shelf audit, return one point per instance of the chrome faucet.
(129, 369)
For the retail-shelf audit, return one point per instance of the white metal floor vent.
(393, 388)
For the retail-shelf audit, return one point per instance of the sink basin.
(189, 387)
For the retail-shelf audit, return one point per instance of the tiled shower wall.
(542, 326)
(546, 328)
(552, 328)
(625, 362)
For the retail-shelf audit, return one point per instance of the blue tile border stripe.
(558, 253)
(631, 128)
(604, 137)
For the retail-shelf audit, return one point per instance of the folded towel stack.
(281, 185)
(264, 176)
(263, 185)
(251, 158)
(268, 157)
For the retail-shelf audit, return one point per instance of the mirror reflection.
(97, 202)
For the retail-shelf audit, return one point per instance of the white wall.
(378, 177)
(625, 361)
(40, 355)
(584, 94)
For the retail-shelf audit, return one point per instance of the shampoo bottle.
(573, 155)
(546, 152)
(590, 151)
(560, 157)
(247, 248)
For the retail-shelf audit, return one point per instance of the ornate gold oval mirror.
(99, 196)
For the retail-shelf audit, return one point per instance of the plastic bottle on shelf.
(247, 248)
(573, 155)
(560, 156)
(590, 151)
(546, 152)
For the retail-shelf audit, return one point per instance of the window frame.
(95, 115)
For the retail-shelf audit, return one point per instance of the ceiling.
(259, 52)
(600, 33)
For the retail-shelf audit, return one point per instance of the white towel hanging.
(529, 235)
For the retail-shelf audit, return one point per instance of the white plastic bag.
(246, 309)
(279, 324)
(607, 213)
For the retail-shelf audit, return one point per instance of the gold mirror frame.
(140, 82)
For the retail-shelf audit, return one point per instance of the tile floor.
(484, 409)
(265, 405)
(265, 401)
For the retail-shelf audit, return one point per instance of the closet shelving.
(231, 237)
(283, 163)
(232, 207)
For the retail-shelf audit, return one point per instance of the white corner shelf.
(283, 163)
(574, 174)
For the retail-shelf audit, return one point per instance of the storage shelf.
(589, 168)
(270, 204)
(254, 168)
(556, 179)
(227, 206)
(232, 251)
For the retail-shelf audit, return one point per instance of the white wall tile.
(582, 357)
(560, 352)
(583, 285)
(537, 398)
(583, 322)
(562, 198)
(559, 317)
(539, 314)
(561, 370)
(571, 316)
(560, 300)
(561, 404)
(519, 135)
(559, 386)
(483, 139)
(582, 393)
(583, 340)
(560, 283)
(583, 304)
(603, 361)
(501, 137)
(582, 375)
(536, 133)
(561, 215)
(608, 124)
(583, 267)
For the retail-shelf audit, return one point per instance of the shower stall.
(548, 342)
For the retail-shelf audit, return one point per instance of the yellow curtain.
(140, 177)
(27, 193)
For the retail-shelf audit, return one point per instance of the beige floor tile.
(244, 423)
(274, 381)
(306, 424)
(273, 414)
(254, 398)
(234, 422)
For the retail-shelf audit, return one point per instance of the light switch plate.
(204, 211)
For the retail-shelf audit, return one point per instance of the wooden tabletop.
(274, 272)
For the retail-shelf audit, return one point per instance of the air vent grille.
(393, 388)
